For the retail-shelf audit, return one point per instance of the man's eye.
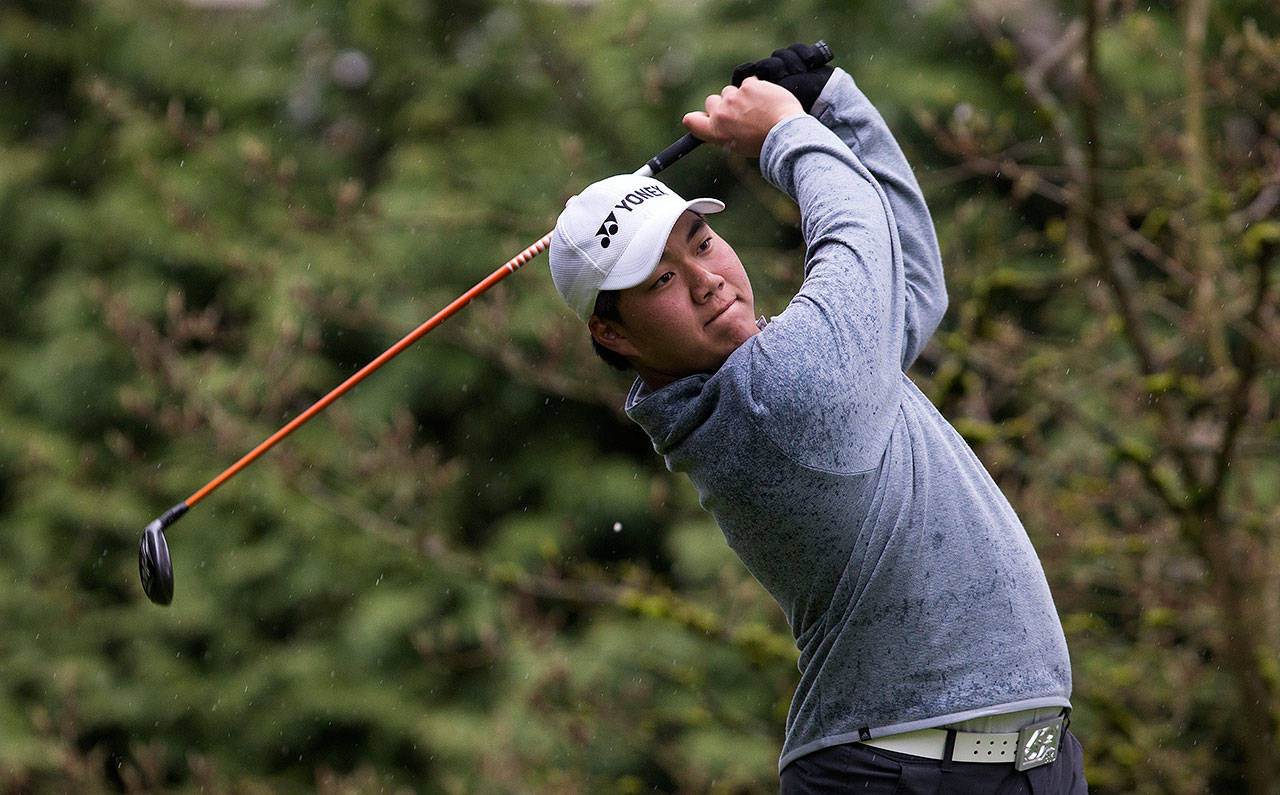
(704, 245)
(663, 279)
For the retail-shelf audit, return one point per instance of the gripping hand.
(800, 68)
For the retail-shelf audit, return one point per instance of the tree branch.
(1246, 376)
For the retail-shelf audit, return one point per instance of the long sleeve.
(830, 363)
(847, 112)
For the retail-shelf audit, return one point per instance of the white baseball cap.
(611, 236)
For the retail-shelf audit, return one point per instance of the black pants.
(857, 768)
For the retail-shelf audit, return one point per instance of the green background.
(472, 574)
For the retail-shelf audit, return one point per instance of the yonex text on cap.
(610, 237)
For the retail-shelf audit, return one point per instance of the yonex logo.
(636, 197)
(607, 230)
(632, 200)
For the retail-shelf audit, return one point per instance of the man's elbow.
(930, 307)
(938, 307)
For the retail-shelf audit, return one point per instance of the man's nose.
(705, 284)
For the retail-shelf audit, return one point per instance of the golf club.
(154, 565)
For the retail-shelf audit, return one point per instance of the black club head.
(154, 566)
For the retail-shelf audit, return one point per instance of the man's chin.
(744, 328)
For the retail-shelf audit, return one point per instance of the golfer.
(931, 655)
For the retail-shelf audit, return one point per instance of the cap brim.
(645, 248)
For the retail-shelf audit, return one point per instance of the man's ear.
(611, 335)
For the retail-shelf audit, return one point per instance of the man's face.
(694, 310)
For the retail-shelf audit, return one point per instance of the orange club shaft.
(508, 268)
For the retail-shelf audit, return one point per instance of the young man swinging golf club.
(931, 655)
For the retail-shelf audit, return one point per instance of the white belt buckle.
(1038, 744)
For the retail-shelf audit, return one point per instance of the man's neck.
(653, 379)
(656, 379)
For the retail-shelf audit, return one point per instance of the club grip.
(670, 155)
(822, 54)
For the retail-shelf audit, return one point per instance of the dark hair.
(607, 309)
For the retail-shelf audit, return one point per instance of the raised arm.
(827, 371)
(847, 112)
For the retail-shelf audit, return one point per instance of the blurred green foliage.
(472, 573)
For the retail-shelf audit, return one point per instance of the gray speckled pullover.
(910, 586)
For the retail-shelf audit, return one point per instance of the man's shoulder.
(813, 411)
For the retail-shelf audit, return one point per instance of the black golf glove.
(799, 68)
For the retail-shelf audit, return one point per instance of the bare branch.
(1246, 376)
(1037, 89)
(1263, 206)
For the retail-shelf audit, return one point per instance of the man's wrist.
(827, 95)
(774, 133)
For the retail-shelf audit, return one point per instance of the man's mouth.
(720, 312)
